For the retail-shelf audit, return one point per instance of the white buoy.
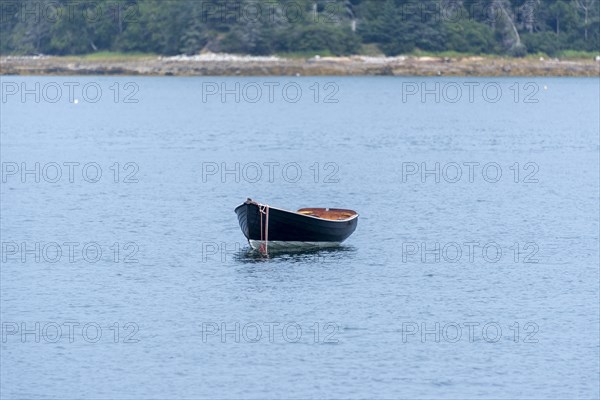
(545, 87)
(76, 101)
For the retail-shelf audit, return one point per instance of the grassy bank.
(366, 51)
(304, 64)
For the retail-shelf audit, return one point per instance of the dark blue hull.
(288, 226)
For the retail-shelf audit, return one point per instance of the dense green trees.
(339, 27)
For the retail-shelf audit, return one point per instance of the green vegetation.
(109, 29)
(306, 54)
(112, 56)
(576, 54)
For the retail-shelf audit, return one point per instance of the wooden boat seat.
(334, 214)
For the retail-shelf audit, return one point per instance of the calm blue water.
(481, 285)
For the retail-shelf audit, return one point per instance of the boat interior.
(334, 214)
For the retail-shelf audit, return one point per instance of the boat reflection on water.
(328, 255)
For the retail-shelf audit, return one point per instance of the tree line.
(328, 27)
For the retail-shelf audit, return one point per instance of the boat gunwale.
(303, 215)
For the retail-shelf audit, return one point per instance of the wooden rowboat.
(270, 227)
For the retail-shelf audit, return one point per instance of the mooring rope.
(264, 209)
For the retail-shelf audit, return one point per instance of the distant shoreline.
(233, 65)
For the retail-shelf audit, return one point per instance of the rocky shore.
(234, 65)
